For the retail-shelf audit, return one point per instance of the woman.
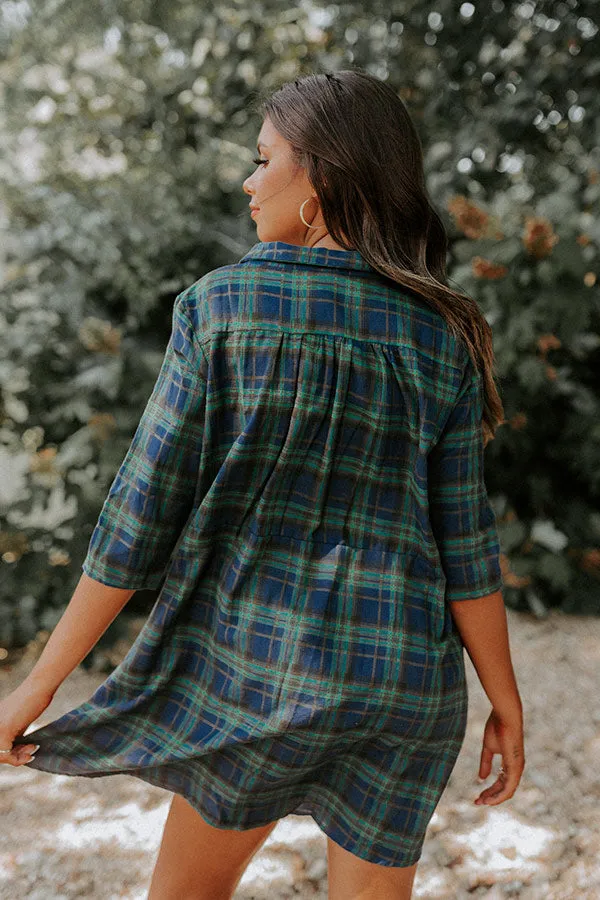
(305, 488)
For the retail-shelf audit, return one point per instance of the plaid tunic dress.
(305, 489)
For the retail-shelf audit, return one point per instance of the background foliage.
(126, 134)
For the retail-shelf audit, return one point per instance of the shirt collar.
(281, 252)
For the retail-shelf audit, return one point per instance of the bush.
(127, 137)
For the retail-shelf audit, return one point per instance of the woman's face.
(278, 187)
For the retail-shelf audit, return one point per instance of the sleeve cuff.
(459, 592)
(113, 578)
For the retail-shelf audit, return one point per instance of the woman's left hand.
(17, 711)
(504, 736)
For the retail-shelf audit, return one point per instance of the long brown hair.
(363, 156)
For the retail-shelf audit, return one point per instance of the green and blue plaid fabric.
(305, 489)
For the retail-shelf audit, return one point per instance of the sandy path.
(67, 837)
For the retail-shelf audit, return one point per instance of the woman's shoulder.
(418, 322)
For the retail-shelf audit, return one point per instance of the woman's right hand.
(502, 735)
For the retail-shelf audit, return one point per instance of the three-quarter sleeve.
(153, 491)
(462, 519)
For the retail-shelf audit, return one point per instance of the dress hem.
(304, 808)
(301, 807)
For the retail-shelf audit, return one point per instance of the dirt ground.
(67, 837)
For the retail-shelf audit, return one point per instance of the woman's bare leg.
(199, 862)
(352, 878)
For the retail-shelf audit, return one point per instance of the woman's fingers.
(485, 764)
(20, 755)
(503, 788)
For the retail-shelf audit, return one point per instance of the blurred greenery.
(126, 131)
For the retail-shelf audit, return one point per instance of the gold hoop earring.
(302, 217)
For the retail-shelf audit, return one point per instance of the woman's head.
(280, 189)
(345, 142)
